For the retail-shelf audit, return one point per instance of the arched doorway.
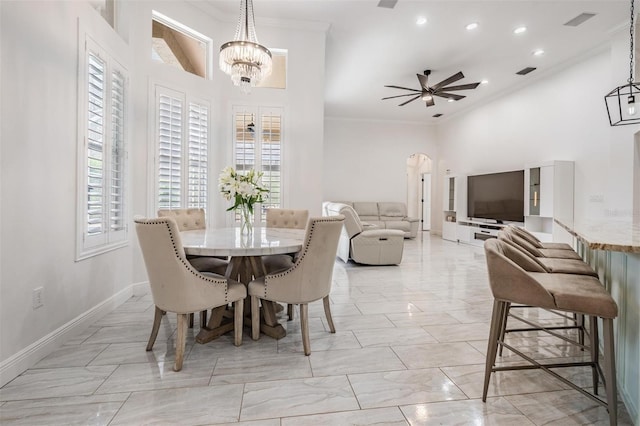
(419, 188)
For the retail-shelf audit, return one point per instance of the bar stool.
(523, 233)
(556, 253)
(570, 293)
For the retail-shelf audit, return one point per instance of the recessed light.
(472, 26)
(520, 30)
(421, 20)
(538, 52)
(485, 81)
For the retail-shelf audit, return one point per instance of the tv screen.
(498, 196)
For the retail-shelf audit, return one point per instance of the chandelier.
(244, 59)
(622, 105)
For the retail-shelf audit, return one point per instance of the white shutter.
(271, 158)
(118, 157)
(95, 142)
(198, 129)
(169, 151)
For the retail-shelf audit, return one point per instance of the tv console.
(476, 232)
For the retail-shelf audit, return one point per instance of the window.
(102, 159)
(182, 136)
(258, 145)
(179, 46)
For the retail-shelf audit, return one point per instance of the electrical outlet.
(38, 299)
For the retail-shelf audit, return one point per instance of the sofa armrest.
(411, 219)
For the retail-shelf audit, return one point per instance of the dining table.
(245, 251)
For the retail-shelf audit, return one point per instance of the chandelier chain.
(631, 36)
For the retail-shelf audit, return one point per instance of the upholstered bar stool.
(570, 293)
(557, 253)
(523, 233)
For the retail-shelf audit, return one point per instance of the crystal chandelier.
(244, 59)
(623, 102)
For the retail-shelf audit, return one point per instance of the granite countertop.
(614, 235)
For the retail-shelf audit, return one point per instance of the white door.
(426, 201)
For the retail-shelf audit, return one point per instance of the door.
(426, 201)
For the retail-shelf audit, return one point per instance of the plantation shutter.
(117, 194)
(170, 151)
(271, 158)
(95, 141)
(198, 158)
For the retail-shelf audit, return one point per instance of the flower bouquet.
(245, 190)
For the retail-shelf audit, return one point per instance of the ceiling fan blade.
(404, 88)
(452, 79)
(410, 100)
(423, 81)
(449, 95)
(430, 102)
(399, 96)
(461, 87)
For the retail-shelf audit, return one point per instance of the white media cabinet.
(476, 232)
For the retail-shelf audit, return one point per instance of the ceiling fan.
(441, 89)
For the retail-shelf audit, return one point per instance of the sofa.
(366, 245)
(385, 215)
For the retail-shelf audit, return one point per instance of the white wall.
(38, 175)
(366, 160)
(559, 117)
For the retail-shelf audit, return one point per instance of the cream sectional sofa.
(385, 215)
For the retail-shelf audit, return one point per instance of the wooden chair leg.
(203, 319)
(327, 313)
(610, 371)
(238, 316)
(157, 318)
(181, 340)
(304, 326)
(255, 318)
(191, 320)
(499, 309)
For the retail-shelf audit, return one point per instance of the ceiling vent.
(525, 71)
(437, 115)
(580, 19)
(389, 4)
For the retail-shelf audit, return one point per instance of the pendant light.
(244, 59)
(623, 102)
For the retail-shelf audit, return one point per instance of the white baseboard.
(140, 289)
(13, 366)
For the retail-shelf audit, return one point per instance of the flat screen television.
(497, 196)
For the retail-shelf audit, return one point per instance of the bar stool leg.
(503, 325)
(594, 350)
(610, 371)
(499, 309)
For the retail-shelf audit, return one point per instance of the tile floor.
(409, 349)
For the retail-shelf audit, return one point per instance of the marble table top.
(612, 235)
(230, 242)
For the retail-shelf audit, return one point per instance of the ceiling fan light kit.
(621, 102)
(427, 93)
(244, 59)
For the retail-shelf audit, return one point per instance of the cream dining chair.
(176, 286)
(307, 280)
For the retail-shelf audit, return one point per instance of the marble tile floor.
(409, 350)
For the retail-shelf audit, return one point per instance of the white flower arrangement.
(244, 189)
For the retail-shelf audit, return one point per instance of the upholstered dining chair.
(308, 280)
(176, 286)
(570, 293)
(192, 219)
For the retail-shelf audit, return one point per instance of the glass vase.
(246, 220)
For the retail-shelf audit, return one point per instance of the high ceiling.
(369, 47)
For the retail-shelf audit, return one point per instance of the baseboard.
(140, 289)
(15, 365)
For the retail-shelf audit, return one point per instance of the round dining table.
(245, 263)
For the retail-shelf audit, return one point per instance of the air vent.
(437, 115)
(580, 19)
(389, 4)
(525, 71)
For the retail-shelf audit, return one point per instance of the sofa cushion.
(401, 225)
(366, 209)
(392, 210)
